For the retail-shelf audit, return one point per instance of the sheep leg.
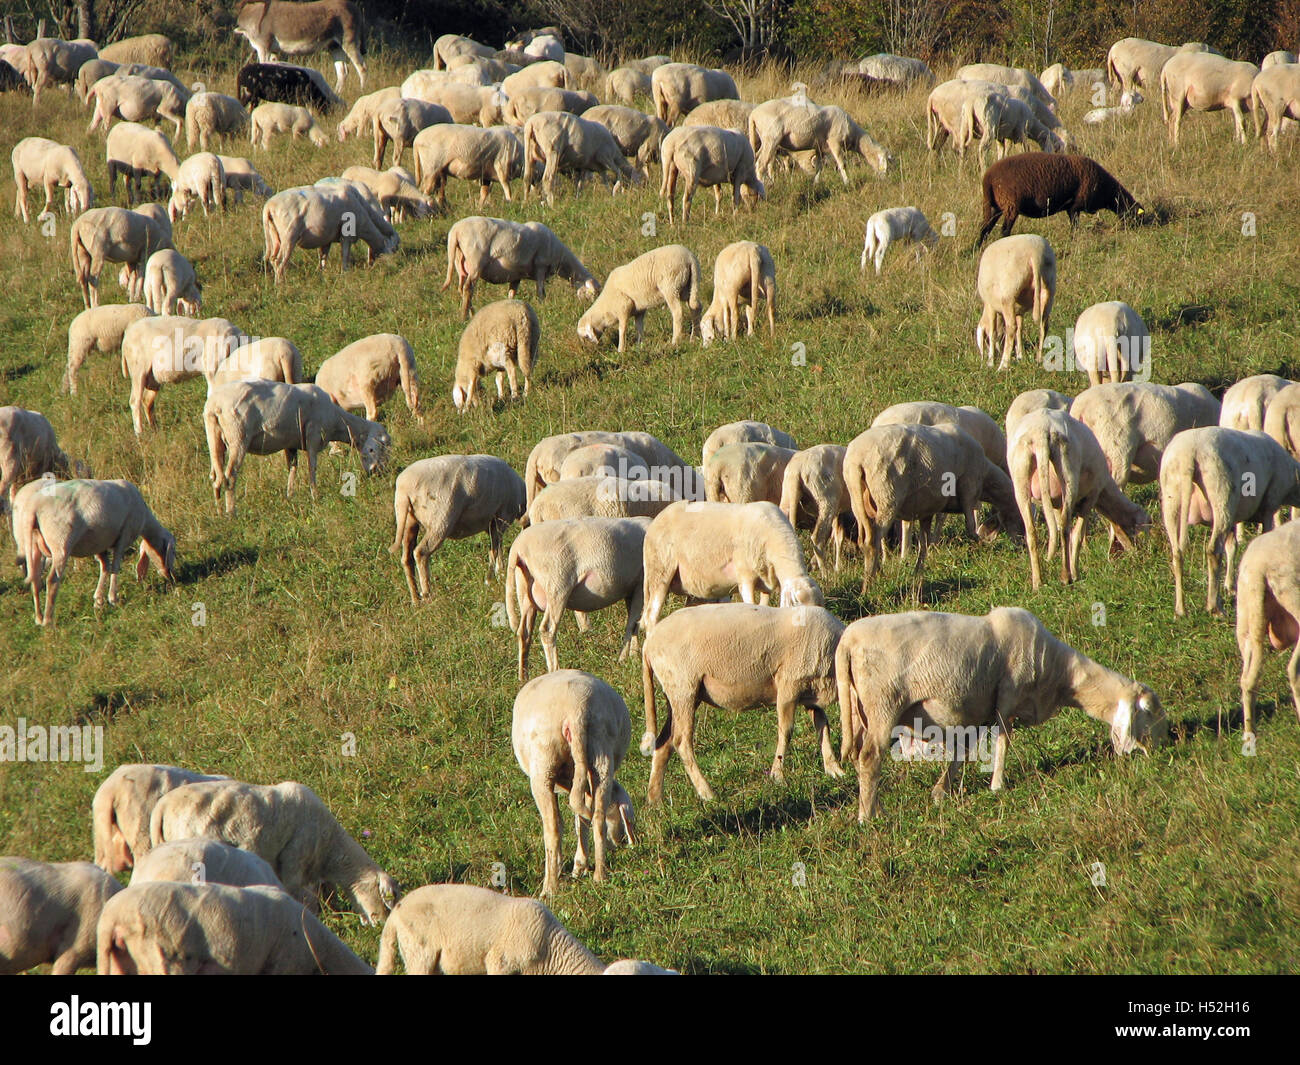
(52, 582)
(102, 559)
(1000, 746)
(496, 535)
(1293, 677)
(785, 712)
(291, 461)
(601, 797)
(433, 538)
(1177, 544)
(830, 764)
(684, 742)
(410, 531)
(556, 600)
(1031, 536)
(872, 743)
(947, 782)
(1214, 552)
(581, 830)
(544, 796)
(635, 603)
(514, 381)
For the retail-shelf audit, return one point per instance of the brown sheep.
(1038, 184)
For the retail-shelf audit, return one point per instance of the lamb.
(122, 806)
(505, 253)
(1057, 460)
(1135, 421)
(318, 217)
(1002, 75)
(1136, 63)
(665, 465)
(452, 497)
(60, 520)
(170, 284)
(562, 142)
(711, 550)
(361, 117)
(1007, 121)
(667, 276)
(201, 179)
(46, 164)
(1274, 98)
(608, 460)
(468, 153)
(49, 912)
(1221, 478)
(212, 114)
(1245, 403)
(1127, 103)
(287, 825)
(782, 125)
(401, 121)
(639, 136)
(502, 337)
(570, 731)
(1111, 342)
(1016, 274)
(895, 70)
(963, 672)
(452, 44)
(51, 61)
(274, 118)
(1028, 402)
(154, 49)
(166, 928)
(813, 494)
(1205, 83)
(525, 103)
(742, 274)
(242, 176)
(547, 75)
(136, 99)
(135, 151)
(395, 189)
(1039, 184)
(459, 929)
(203, 861)
(169, 349)
(1268, 612)
(627, 85)
(263, 417)
(896, 225)
(677, 88)
(366, 372)
(549, 45)
(971, 420)
(28, 449)
(703, 157)
(98, 329)
(745, 473)
(286, 84)
(744, 432)
(738, 656)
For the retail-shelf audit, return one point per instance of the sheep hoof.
(834, 770)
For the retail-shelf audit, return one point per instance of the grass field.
(310, 633)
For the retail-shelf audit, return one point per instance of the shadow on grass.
(15, 373)
(1226, 725)
(698, 966)
(1188, 314)
(830, 305)
(766, 817)
(231, 559)
(109, 704)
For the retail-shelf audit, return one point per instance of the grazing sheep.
(1135, 421)
(892, 226)
(962, 672)
(562, 142)
(600, 496)
(466, 104)
(51, 61)
(169, 349)
(60, 520)
(895, 70)
(608, 460)
(649, 64)
(724, 114)
(46, 164)
(1039, 184)
(1282, 420)
(242, 176)
(289, 827)
(49, 913)
(265, 359)
(88, 74)
(1127, 104)
(506, 253)
(201, 179)
(274, 118)
(746, 473)
(1057, 460)
(1006, 121)
(122, 806)
(450, 45)
(744, 432)
(738, 656)
(135, 151)
(639, 136)
(1205, 83)
(570, 731)
(1028, 402)
(1246, 403)
(401, 121)
(468, 153)
(947, 106)
(203, 861)
(1278, 58)
(526, 103)
(1016, 274)
(781, 125)
(627, 85)
(262, 417)
(98, 329)
(1136, 63)
(1002, 75)
(172, 929)
(1274, 98)
(1268, 612)
(136, 99)
(712, 550)
(1059, 79)
(501, 338)
(452, 497)
(211, 114)
(678, 88)
(361, 117)
(395, 189)
(285, 83)
(814, 495)
(667, 276)
(973, 421)
(28, 449)
(462, 930)
(547, 75)
(548, 455)
(318, 217)
(583, 71)
(365, 373)
(170, 284)
(1221, 478)
(743, 273)
(1111, 342)
(154, 49)
(704, 157)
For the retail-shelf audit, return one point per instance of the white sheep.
(136, 99)
(466, 104)
(1112, 343)
(725, 114)
(814, 496)
(49, 913)
(264, 417)
(61, 520)
(136, 152)
(600, 495)
(743, 432)
(1221, 478)
(1275, 99)
(450, 45)
(170, 284)
(1028, 402)
(318, 217)
(242, 176)
(1246, 402)
(395, 189)
(946, 108)
(212, 114)
(570, 732)
(579, 564)
(51, 61)
(1282, 420)
(46, 164)
(272, 119)
(122, 806)
(1205, 82)
(962, 672)
(28, 449)
(361, 116)
(712, 550)
(549, 453)
(1059, 79)
(401, 121)
(501, 338)
(566, 143)
(166, 349)
(203, 861)
(743, 273)
(1003, 119)
(201, 179)
(547, 75)
(469, 153)
(746, 473)
(792, 125)
(365, 373)
(896, 70)
(451, 497)
(155, 49)
(678, 88)
(525, 103)
(266, 359)
(116, 235)
(1268, 612)
(1016, 274)
(1004, 75)
(167, 928)
(609, 460)
(738, 656)
(708, 157)
(664, 277)
(970, 419)
(892, 226)
(627, 85)
(1127, 104)
(98, 329)
(289, 827)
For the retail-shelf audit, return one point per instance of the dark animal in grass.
(11, 80)
(1038, 184)
(285, 83)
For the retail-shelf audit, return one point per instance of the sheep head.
(1138, 722)
(801, 591)
(374, 448)
(374, 894)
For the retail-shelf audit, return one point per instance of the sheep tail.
(1049, 461)
(693, 300)
(409, 378)
(515, 568)
(791, 489)
(403, 518)
(849, 702)
(388, 948)
(649, 739)
(101, 810)
(575, 732)
(453, 254)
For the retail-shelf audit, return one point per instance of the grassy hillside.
(310, 633)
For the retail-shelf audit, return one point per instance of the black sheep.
(11, 80)
(284, 83)
(1038, 184)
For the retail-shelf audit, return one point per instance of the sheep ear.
(142, 565)
(1121, 728)
(627, 827)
